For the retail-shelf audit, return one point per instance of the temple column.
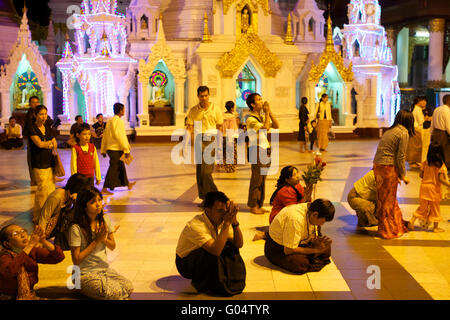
(133, 105)
(179, 102)
(392, 33)
(6, 106)
(436, 55)
(193, 84)
(144, 119)
(403, 56)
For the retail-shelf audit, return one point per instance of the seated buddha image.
(27, 92)
(157, 98)
(320, 89)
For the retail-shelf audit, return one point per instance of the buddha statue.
(27, 92)
(158, 99)
(245, 21)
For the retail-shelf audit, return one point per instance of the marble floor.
(152, 215)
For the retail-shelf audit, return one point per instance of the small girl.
(312, 134)
(90, 235)
(433, 174)
(84, 155)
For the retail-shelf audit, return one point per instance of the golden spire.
(206, 36)
(289, 39)
(329, 47)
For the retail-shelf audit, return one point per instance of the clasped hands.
(321, 244)
(231, 213)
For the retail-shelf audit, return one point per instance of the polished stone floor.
(152, 215)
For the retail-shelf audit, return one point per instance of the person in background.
(208, 248)
(73, 130)
(99, 128)
(29, 120)
(13, 135)
(415, 144)
(312, 135)
(19, 260)
(389, 170)
(255, 122)
(230, 134)
(433, 174)
(84, 158)
(325, 120)
(303, 123)
(363, 199)
(440, 128)
(43, 146)
(115, 144)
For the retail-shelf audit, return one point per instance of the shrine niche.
(25, 85)
(26, 74)
(161, 85)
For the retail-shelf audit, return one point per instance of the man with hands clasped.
(208, 248)
(255, 122)
(293, 242)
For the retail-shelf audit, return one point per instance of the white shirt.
(209, 118)
(367, 187)
(441, 119)
(291, 227)
(254, 124)
(97, 259)
(196, 233)
(115, 137)
(419, 118)
(324, 108)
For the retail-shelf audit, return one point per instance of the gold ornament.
(330, 55)
(206, 36)
(289, 39)
(249, 44)
(437, 25)
(253, 4)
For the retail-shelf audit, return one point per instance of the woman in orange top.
(289, 191)
(433, 174)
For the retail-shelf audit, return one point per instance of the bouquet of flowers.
(312, 175)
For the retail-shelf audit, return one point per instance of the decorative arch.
(249, 44)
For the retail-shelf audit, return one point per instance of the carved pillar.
(179, 102)
(436, 54)
(6, 106)
(392, 33)
(402, 56)
(144, 119)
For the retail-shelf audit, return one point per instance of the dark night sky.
(38, 10)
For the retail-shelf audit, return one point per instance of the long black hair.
(406, 119)
(285, 174)
(435, 155)
(81, 218)
(4, 236)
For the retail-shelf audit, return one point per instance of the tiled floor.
(152, 215)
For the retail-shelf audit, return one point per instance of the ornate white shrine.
(100, 72)
(26, 74)
(365, 44)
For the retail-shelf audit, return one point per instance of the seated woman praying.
(292, 242)
(208, 248)
(289, 191)
(19, 261)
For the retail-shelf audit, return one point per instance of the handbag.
(59, 168)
